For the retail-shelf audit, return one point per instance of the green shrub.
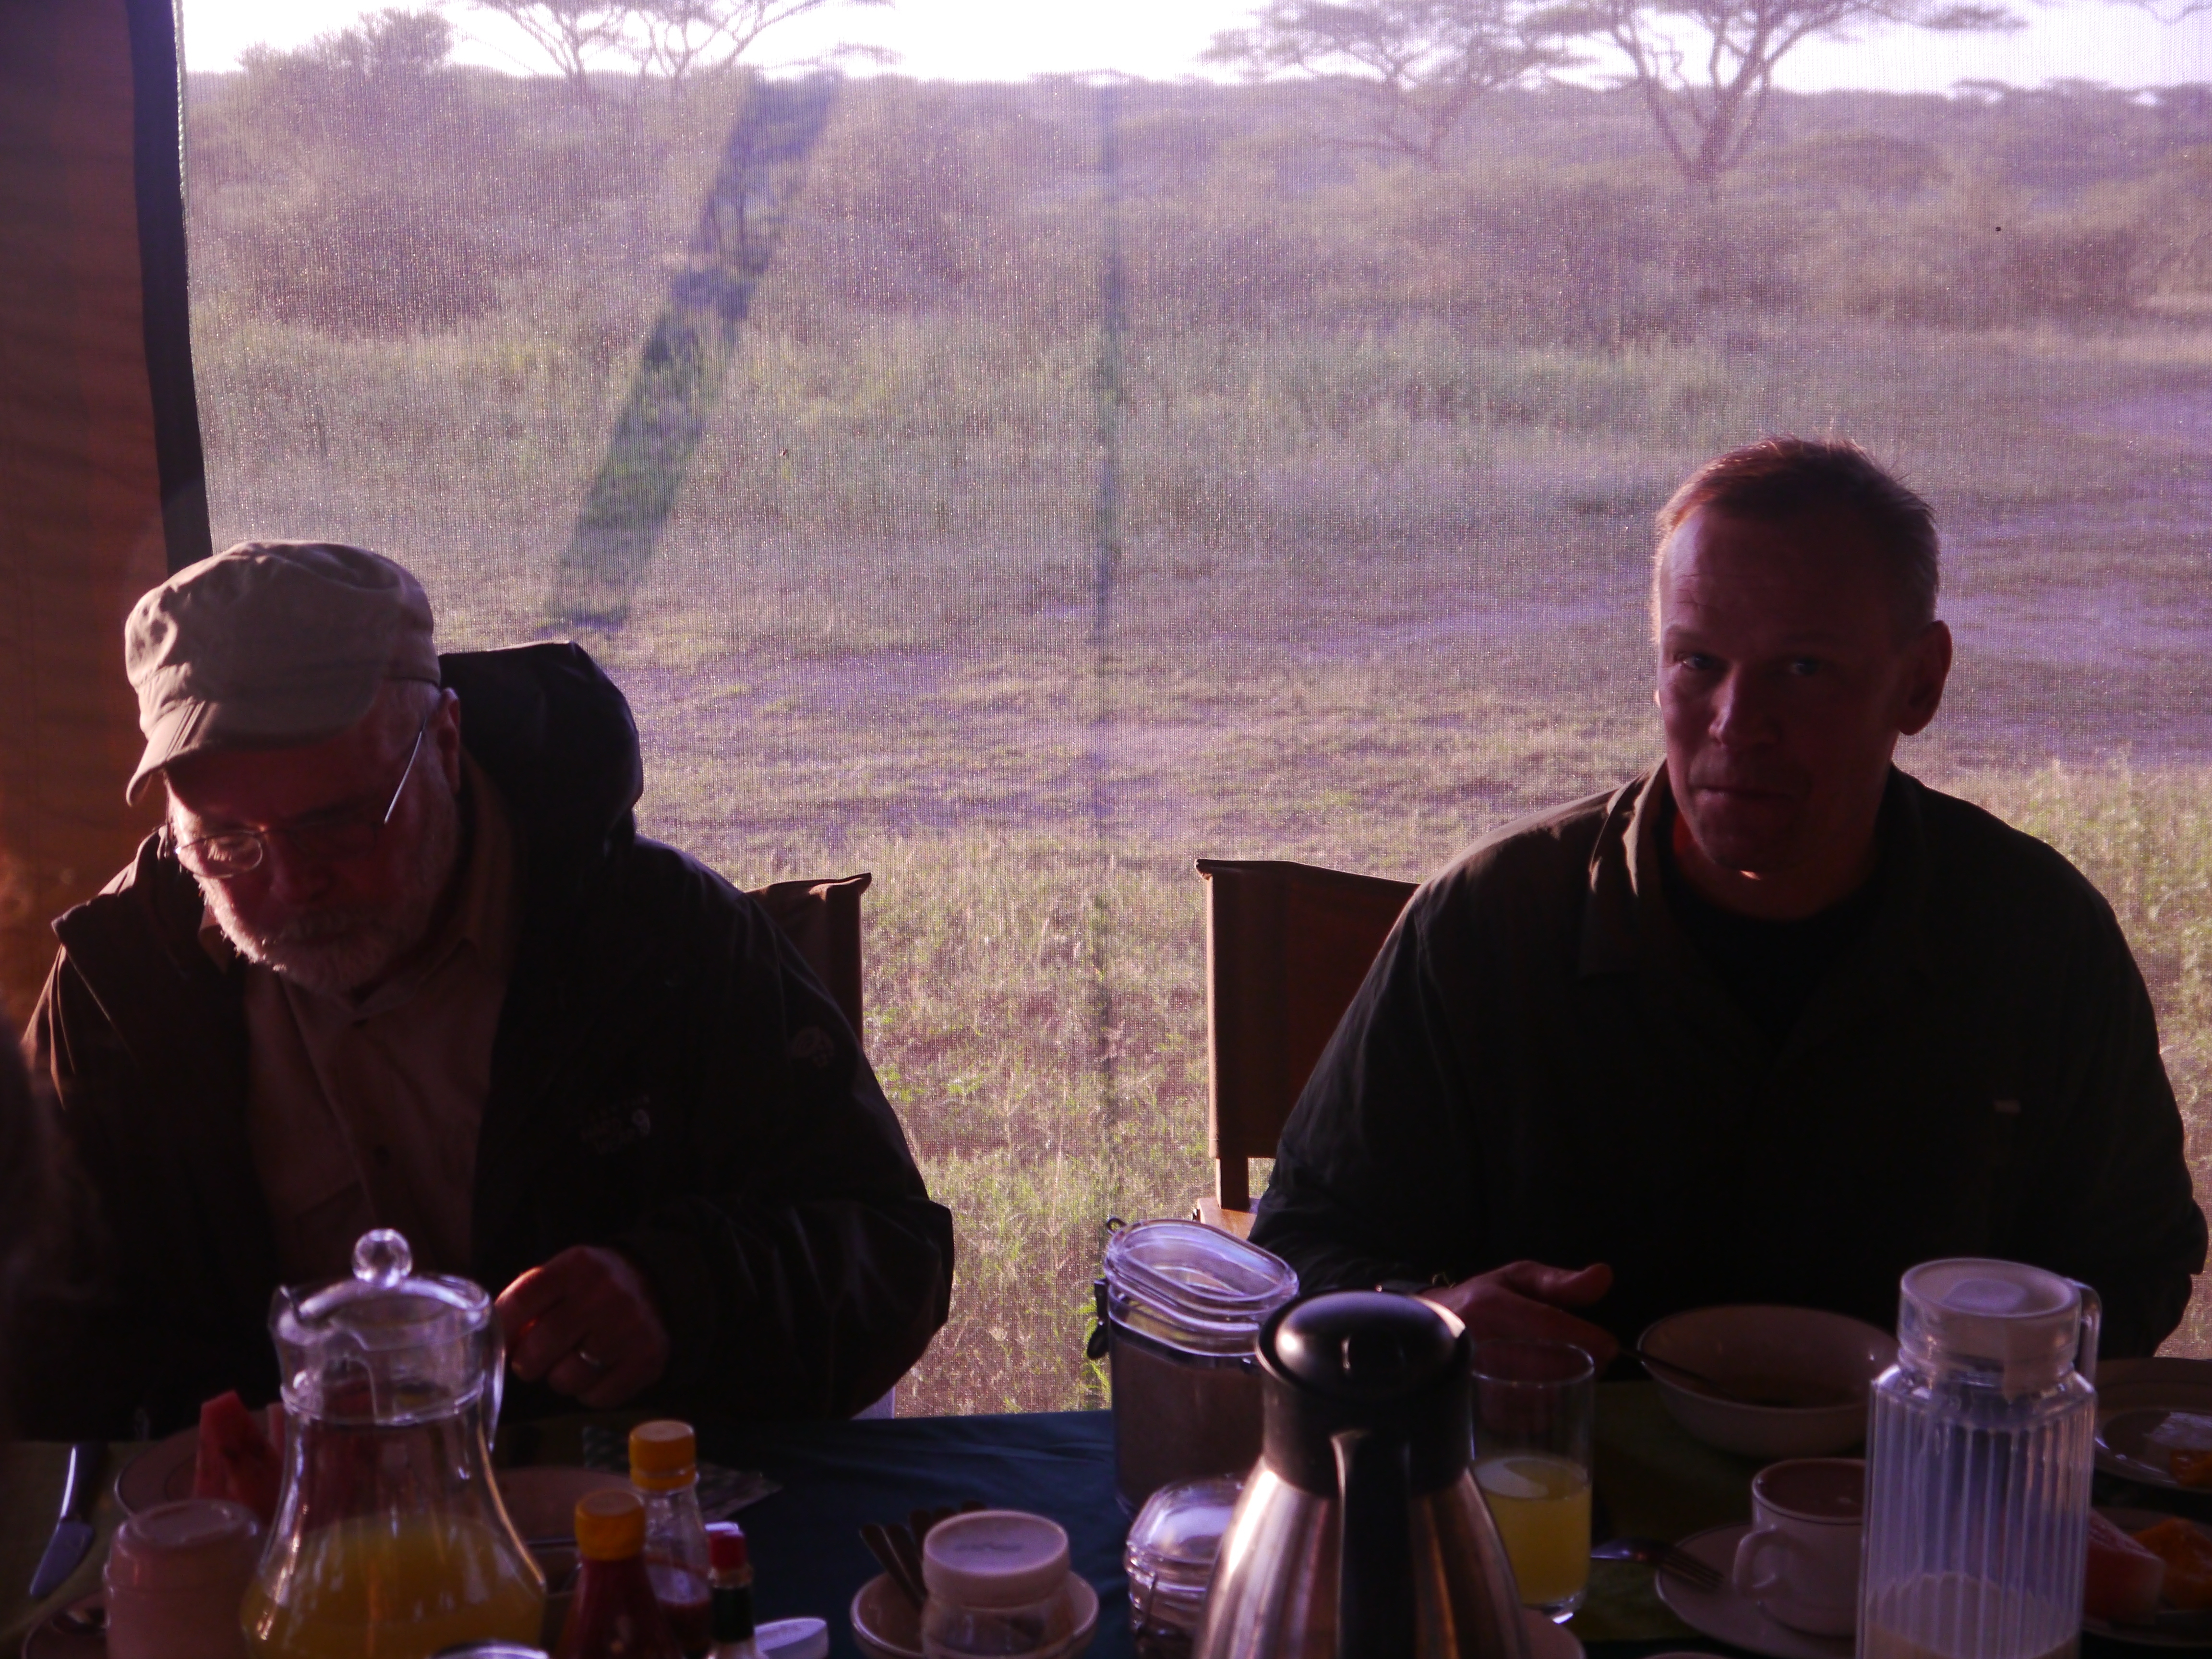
(377, 261)
(1978, 256)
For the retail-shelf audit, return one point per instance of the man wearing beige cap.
(381, 968)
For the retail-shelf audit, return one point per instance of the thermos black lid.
(1391, 1366)
(1365, 1345)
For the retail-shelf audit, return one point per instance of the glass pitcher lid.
(2002, 1317)
(385, 1346)
(1194, 1287)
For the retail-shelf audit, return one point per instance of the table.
(806, 1542)
(1651, 1479)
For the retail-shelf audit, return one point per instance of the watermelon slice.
(237, 1458)
(2125, 1577)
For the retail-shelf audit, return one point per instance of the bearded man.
(380, 967)
(1771, 1024)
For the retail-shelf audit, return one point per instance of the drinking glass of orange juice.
(1534, 1403)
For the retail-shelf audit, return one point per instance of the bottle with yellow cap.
(663, 1466)
(616, 1614)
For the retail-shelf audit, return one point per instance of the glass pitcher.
(1979, 1460)
(390, 1541)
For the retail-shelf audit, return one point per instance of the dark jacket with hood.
(668, 1079)
(1541, 1065)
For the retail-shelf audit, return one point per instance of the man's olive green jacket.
(668, 1079)
(1540, 1067)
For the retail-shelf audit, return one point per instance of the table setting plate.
(2147, 1408)
(74, 1633)
(162, 1473)
(1725, 1616)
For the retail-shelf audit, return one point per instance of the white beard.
(336, 949)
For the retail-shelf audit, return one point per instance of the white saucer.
(1727, 1616)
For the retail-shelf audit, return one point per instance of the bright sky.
(2105, 40)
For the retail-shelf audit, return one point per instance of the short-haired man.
(1770, 1023)
(382, 968)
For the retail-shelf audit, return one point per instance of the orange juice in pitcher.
(390, 1541)
(363, 1590)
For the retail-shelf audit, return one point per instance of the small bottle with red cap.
(730, 1573)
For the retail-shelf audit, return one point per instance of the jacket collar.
(556, 735)
(1625, 912)
(1621, 853)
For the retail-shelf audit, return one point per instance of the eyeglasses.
(330, 840)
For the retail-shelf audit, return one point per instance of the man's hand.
(1525, 1299)
(587, 1323)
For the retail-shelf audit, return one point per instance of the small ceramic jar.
(998, 1586)
(175, 1576)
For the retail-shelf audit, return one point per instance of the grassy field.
(1383, 449)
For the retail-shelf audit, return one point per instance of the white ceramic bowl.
(888, 1627)
(1770, 1351)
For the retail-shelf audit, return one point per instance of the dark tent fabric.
(100, 472)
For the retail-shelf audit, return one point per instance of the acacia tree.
(1416, 66)
(377, 86)
(676, 38)
(576, 36)
(672, 38)
(1705, 68)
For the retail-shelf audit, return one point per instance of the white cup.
(175, 1576)
(1799, 1561)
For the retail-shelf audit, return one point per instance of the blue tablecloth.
(835, 1476)
(805, 1540)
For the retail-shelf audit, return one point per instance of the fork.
(1656, 1552)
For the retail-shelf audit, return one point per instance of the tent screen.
(1020, 486)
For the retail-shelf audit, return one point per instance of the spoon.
(1729, 1392)
(882, 1543)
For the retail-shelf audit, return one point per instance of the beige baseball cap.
(271, 645)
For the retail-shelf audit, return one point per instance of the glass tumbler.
(1535, 1404)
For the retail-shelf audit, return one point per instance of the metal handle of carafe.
(1374, 1555)
(2092, 1328)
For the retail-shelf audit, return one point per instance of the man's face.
(1785, 680)
(333, 924)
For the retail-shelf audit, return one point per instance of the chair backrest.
(1286, 947)
(823, 919)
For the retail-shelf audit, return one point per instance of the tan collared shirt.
(365, 1113)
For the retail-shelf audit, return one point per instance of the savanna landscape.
(1020, 490)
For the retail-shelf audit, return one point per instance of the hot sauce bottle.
(615, 1614)
(663, 1466)
(730, 1574)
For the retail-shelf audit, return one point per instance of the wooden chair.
(1286, 947)
(823, 919)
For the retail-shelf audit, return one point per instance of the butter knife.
(73, 1533)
